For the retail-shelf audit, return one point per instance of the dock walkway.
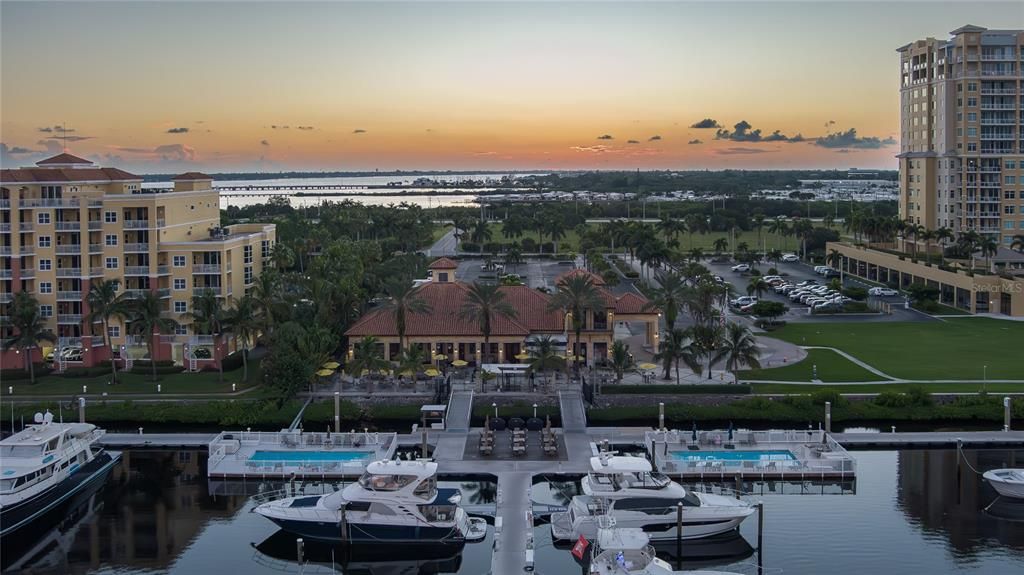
(161, 440)
(460, 411)
(574, 416)
(931, 439)
(511, 524)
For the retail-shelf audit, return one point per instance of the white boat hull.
(657, 528)
(1007, 482)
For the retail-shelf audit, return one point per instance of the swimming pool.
(297, 457)
(770, 455)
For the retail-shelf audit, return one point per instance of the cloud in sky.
(306, 128)
(850, 139)
(829, 124)
(654, 138)
(706, 123)
(359, 131)
(55, 130)
(484, 153)
(632, 141)
(278, 127)
(695, 141)
(605, 137)
(166, 152)
(744, 132)
(264, 143)
(738, 151)
(177, 131)
(598, 149)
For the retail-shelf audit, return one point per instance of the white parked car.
(742, 301)
(741, 268)
(790, 258)
(882, 292)
(820, 269)
(806, 283)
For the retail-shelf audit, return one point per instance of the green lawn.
(130, 383)
(832, 367)
(956, 348)
(972, 387)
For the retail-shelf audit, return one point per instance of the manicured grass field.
(130, 383)
(956, 348)
(831, 367)
(972, 387)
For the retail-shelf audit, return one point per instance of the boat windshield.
(426, 489)
(21, 450)
(649, 481)
(385, 482)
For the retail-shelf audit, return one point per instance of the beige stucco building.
(67, 223)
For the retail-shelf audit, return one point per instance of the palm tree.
(30, 328)
(147, 321)
(243, 322)
(481, 232)
(738, 348)
(757, 286)
(316, 345)
(405, 301)
(106, 304)
(543, 356)
(366, 356)
(668, 296)
(942, 236)
(834, 258)
(411, 360)
(803, 229)
(779, 228)
(268, 301)
(927, 236)
(483, 304)
(989, 247)
(577, 295)
(620, 359)
(759, 225)
(1018, 243)
(677, 346)
(554, 225)
(696, 254)
(720, 245)
(283, 256)
(514, 256)
(209, 317)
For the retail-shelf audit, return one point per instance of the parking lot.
(797, 272)
(534, 273)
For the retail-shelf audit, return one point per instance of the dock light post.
(299, 549)
(1006, 414)
(81, 410)
(158, 388)
(10, 390)
(814, 371)
(828, 417)
(85, 389)
(495, 406)
(535, 411)
(233, 387)
(337, 412)
(661, 415)
(679, 530)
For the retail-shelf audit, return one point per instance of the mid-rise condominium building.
(961, 143)
(67, 223)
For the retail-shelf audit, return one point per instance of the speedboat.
(624, 492)
(1006, 482)
(621, 551)
(704, 515)
(46, 464)
(393, 502)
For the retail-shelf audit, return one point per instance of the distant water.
(904, 515)
(446, 197)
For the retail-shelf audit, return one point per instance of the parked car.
(771, 278)
(790, 258)
(744, 300)
(741, 268)
(806, 283)
(75, 354)
(882, 292)
(783, 288)
(820, 269)
(201, 353)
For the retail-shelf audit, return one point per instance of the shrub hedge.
(670, 389)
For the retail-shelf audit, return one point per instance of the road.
(444, 246)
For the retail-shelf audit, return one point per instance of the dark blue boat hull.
(371, 533)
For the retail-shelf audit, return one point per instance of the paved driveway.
(797, 272)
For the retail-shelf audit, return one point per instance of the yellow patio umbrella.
(332, 365)
(325, 372)
(460, 363)
(573, 357)
(440, 357)
(365, 372)
(431, 372)
(522, 356)
(407, 372)
(647, 366)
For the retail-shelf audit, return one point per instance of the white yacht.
(623, 492)
(628, 552)
(44, 465)
(1007, 482)
(393, 502)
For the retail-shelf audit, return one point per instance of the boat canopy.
(622, 538)
(619, 464)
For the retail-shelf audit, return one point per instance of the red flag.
(580, 547)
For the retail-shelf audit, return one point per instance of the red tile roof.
(64, 158)
(443, 264)
(70, 175)
(631, 302)
(446, 301)
(191, 176)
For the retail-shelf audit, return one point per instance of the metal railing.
(95, 248)
(95, 225)
(135, 224)
(377, 445)
(69, 318)
(72, 249)
(69, 296)
(27, 273)
(199, 291)
(136, 270)
(6, 274)
(201, 340)
(26, 227)
(6, 297)
(25, 250)
(6, 250)
(163, 270)
(69, 272)
(206, 268)
(95, 272)
(68, 226)
(5, 227)
(134, 248)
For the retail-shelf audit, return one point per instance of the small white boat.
(1007, 482)
(626, 551)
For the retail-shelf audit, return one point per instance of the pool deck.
(233, 454)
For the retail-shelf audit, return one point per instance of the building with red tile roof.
(445, 330)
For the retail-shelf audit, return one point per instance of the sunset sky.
(165, 86)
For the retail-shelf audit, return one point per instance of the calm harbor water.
(905, 514)
(372, 196)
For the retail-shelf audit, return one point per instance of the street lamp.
(535, 411)
(495, 406)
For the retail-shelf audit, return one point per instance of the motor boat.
(393, 502)
(620, 551)
(278, 553)
(704, 515)
(1006, 482)
(45, 465)
(625, 492)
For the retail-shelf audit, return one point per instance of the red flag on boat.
(580, 547)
